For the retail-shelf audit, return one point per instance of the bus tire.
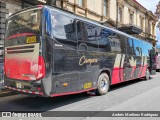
(147, 77)
(103, 84)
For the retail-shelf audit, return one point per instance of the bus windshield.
(21, 25)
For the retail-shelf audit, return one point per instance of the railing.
(150, 36)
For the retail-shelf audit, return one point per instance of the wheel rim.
(104, 84)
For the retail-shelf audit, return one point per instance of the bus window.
(117, 43)
(87, 36)
(81, 31)
(63, 29)
(103, 40)
(18, 26)
(150, 47)
(122, 40)
(92, 42)
(129, 44)
(145, 49)
(137, 47)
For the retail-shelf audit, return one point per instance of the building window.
(81, 3)
(120, 14)
(153, 29)
(131, 18)
(105, 7)
(149, 27)
(142, 22)
(59, 3)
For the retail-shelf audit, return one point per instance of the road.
(135, 95)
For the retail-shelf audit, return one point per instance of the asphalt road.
(135, 95)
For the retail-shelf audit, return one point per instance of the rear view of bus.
(24, 63)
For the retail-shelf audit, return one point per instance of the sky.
(151, 5)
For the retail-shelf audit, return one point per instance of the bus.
(157, 58)
(50, 52)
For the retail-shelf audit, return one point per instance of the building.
(128, 15)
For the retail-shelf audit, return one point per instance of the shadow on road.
(125, 84)
(42, 104)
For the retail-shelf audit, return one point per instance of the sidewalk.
(6, 92)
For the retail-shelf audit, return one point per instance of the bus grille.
(21, 49)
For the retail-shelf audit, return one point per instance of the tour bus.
(157, 59)
(50, 52)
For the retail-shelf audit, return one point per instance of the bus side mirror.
(156, 53)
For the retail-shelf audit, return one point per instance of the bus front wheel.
(147, 74)
(103, 84)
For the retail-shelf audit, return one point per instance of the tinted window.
(122, 40)
(26, 22)
(146, 48)
(92, 31)
(63, 29)
(115, 43)
(137, 47)
(81, 31)
(103, 39)
(150, 47)
(87, 36)
(129, 44)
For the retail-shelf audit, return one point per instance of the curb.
(6, 92)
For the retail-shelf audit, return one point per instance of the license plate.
(87, 85)
(19, 85)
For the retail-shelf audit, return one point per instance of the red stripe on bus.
(133, 71)
(18, 35)
(115, 75)
(144, 71)
(140, 71)
(71, 93)
(121, 74)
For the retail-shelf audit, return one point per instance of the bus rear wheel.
(103, 84)
(147, 77)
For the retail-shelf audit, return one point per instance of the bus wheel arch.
(103, 83)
